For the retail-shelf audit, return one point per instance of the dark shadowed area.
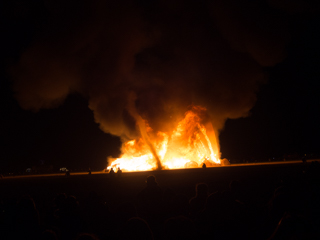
(235, 202)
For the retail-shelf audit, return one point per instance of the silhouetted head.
(181, 204)
(60, 199)
(168, 195)
(136, 228)
(87, 236)
(280, 204)
(125, 211)
(151, 180)
(180, 228)
(201, 189)
(314, 170)
(293, 227)
(281, 190)
(49, 235)
(234, 185)
(70, 205)
(27, 203)
(213, 201)
(28, 214)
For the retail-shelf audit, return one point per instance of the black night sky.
(284, 120)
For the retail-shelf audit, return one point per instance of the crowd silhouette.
(155, 213)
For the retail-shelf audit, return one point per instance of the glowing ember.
(190, 145)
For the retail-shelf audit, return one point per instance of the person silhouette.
(150, 198)
(112, 173)
(119, 172)
(197, 203)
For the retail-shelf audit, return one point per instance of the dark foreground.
(243, 202)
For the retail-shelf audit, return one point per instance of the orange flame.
(190, 145)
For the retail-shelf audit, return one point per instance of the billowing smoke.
(150, 58)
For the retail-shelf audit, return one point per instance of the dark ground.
(258, 179)
(258, 184)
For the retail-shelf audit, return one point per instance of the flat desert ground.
(258, 181)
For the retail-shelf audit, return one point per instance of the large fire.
(191, 144)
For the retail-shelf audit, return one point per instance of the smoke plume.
(167, 54)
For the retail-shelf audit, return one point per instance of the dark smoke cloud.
(158, 57)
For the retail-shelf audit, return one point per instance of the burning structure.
(162, 76)
(191, 144)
